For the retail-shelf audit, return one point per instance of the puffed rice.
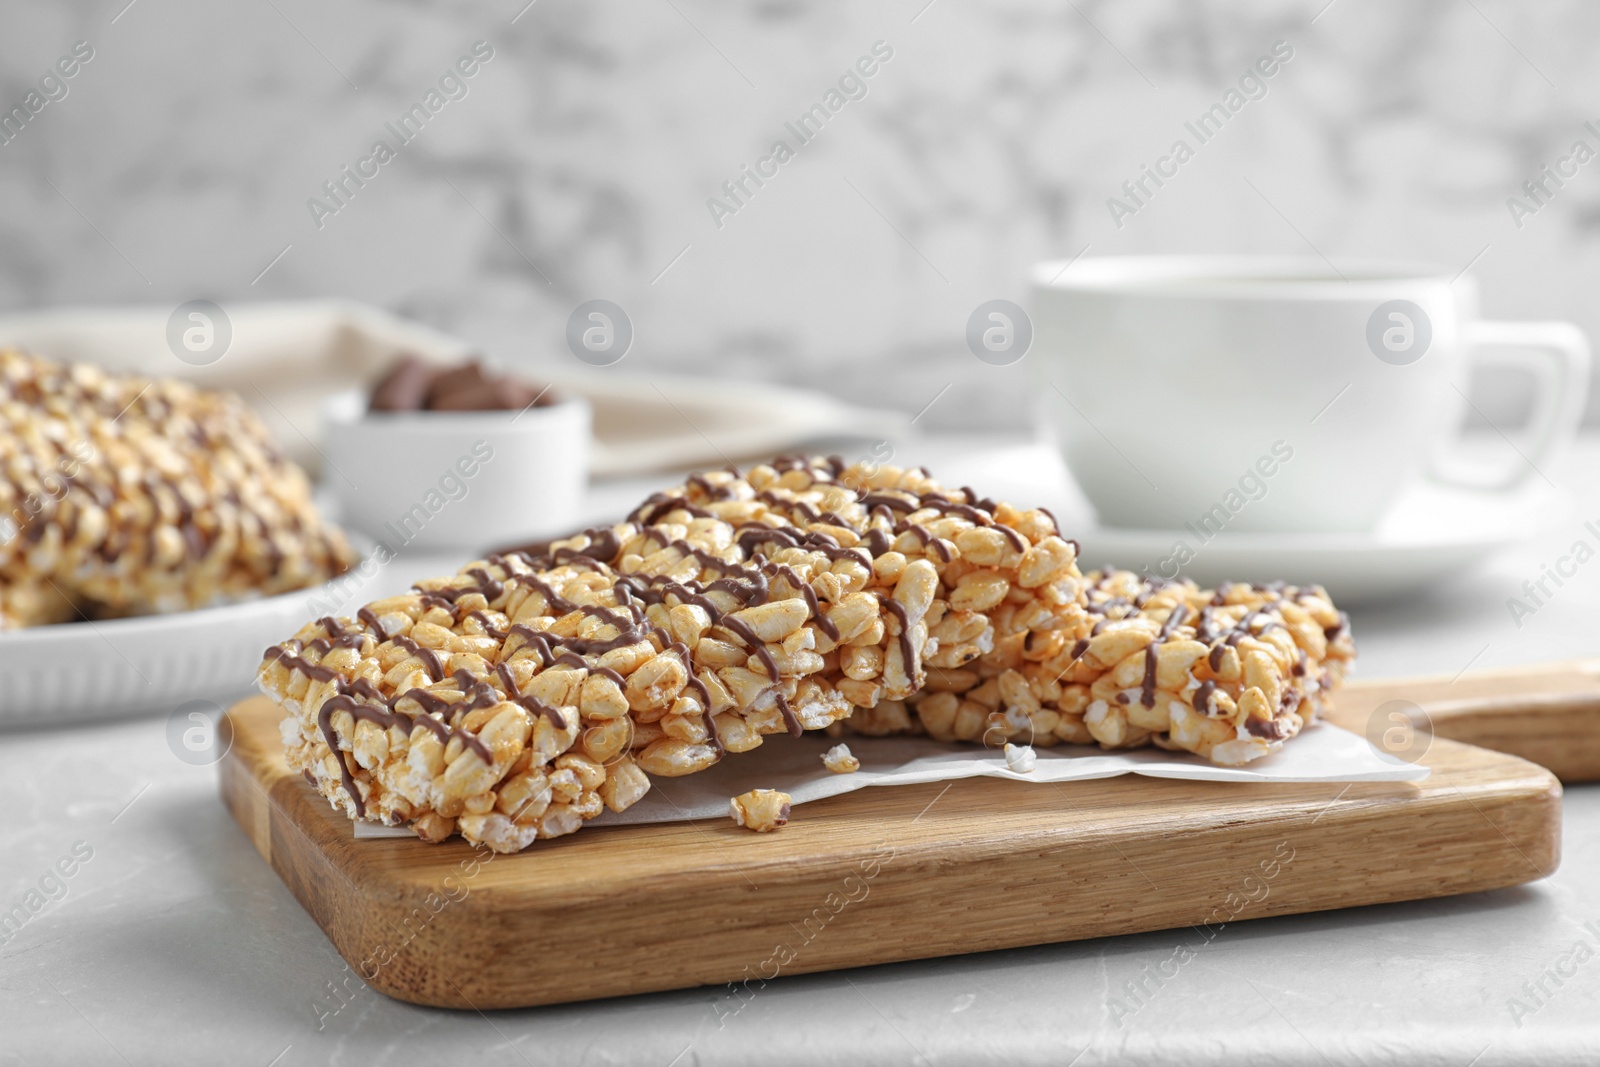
(761, 810)
(840, 760)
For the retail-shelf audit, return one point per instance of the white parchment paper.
(1322, 753)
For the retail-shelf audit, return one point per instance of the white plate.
(88, 671)
(286, 358)
(1431, 533)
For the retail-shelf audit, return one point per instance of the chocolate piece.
(404, 387)
(412, 385)
(466, 376)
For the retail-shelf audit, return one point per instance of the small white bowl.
(457, 479)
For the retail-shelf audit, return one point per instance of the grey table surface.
(172, 942)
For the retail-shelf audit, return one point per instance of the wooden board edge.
(1545, 712)
(1524, 812)
(1560, 733)
(242, 795)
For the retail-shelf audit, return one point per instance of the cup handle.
(1556, 356)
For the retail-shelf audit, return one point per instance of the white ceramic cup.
(469, 480)
(1272, 394)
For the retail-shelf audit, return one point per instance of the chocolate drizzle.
(544, 643)
(1174, 620)
(1245, 627)
(578, 663)
(747, 584)
(1332, 633)
(940, 547)
(1147, 689)
(490, 587)
(801, 507)
(430, 658)
(385, 714)
(694, 682)
(502, 671)
(488, 625)
(789, 718)
(908, 652)
(341, 637)
(601, 546)
(1267, 729)
(937, 502)
(661, 505)
(291, 660)
(368, 618)
(811, 541)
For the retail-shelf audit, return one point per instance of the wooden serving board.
(1548, 713)
(879, 875)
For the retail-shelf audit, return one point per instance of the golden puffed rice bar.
(1002, 572)
(1004, 609)
(120, 495)
(512, 701)
(1007, 679)
(1229, 675)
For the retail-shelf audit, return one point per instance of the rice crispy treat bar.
(404, 715)
(1003, 572)
(121, 495)
(522, 696)
(1228, 675)
(27, 600)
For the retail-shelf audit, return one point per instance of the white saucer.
(98, 671)
(1432, 532)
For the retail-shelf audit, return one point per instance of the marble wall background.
(578, 165)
